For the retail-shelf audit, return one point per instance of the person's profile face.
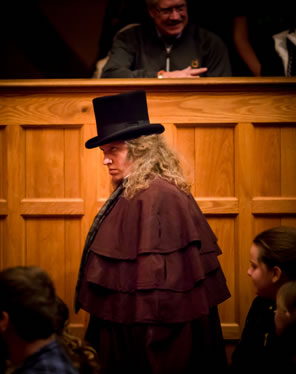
(170, 16)
(116, 159)
(260, 274)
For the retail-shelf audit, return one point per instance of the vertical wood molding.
(245, 161)
(15, 248)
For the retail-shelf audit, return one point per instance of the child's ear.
(277, 272)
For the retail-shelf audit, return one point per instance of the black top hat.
(121, 117)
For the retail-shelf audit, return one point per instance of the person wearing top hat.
(149, 275)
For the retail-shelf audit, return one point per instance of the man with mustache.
(167, 47)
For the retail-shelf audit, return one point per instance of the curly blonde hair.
(152, 158)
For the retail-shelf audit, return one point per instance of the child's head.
(273, 260)
(285, 313)
(27, 302)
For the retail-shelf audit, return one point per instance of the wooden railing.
(236, 138)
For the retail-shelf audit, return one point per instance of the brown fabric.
(160, 219)
(154, 306)
(178, 271)
(154, 259)
(99, 218)
(182, 348)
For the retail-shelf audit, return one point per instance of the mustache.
(174, 23)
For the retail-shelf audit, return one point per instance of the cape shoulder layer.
(161, 219)
(151, 254)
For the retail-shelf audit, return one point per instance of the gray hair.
(151, 3)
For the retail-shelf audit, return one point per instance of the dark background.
(65, 38)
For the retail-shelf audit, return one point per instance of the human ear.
(4, 321)
(277, 272)
(152, 12)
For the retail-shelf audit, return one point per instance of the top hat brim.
(125, 134)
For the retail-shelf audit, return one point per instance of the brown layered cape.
(153, 260)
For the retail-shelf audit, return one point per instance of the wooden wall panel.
(45, 163)
(3, 194)
(45, 243)
(214, 161)
(52, 159)
(267, 158)
(224, 228)
(186, 135)
(236, 138)
(72, 149)
(244, 106)
(288, 160)
(14, 253)
(3, 170)
(72, 255)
